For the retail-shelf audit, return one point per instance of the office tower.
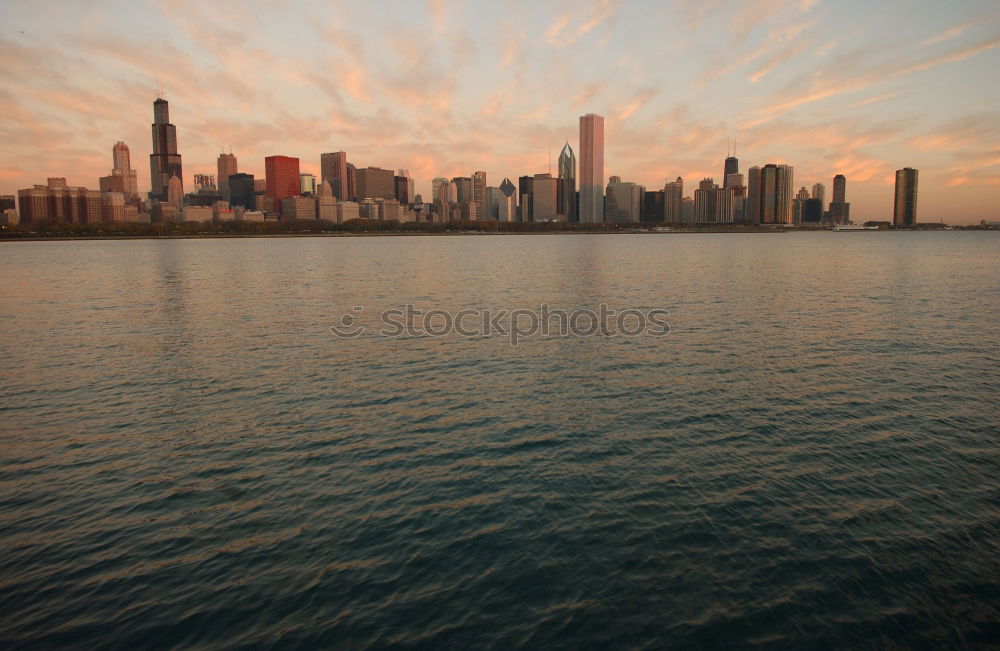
(403, 188)
(904, 211)
(226, 167)
(242, 191)
(260, 186)
(524, 190)
(507, 210)
(840, 210)
(769, 195)
(819, 192)
(122, 168)
(436, 183)
(333, 169)
(479, 193)
(410, 193)
(352, 182)
(687, 210)
(839, 189)
(282, 176)
(113, 207)
(375, 183)
(567, 184)
(732, 166)
(111, 183)
(712, 204)
(673, 196)
(624, 201)
(812, 211)
(652, 206)
(164, 162)
(175, 192)
(307, 183)
(7, 202)
(463, 186)
(591, 169)
(544, 193)
(204, 183)
(797, 203)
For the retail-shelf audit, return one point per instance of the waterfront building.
(591, 169)
(904, 211)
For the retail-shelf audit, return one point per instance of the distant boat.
(853, 227)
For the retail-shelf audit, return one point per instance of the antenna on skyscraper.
(734, 146)
(159, 87)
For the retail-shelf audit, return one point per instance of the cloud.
(947, 34)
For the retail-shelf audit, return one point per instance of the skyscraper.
(241, 191)
(375, 183)
(591, 169)
(307, 183)
(543, 198)
(164, 162)
(479, 193)
(769, 195)
(904, 212)
(840, 210)
(567, 184)
(282, 175)
(673, 196)
(333, 169)
(226, 165)
(122, 168)
(624, 201)
(819, 192)
(732, 166)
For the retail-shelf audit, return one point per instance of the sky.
(446, 87)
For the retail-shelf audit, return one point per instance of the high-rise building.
(544, 192)
(591, 169)
(673, 197)
(819, 192)
(712, 204)
(463, 186)
(226, 166)
(624, 201)
(769, 195)
(479, 193)
(175, 192)
(652, 206)
(797, 204)
(410, 192)
(352, 183)
(524, 196)
(333, 169)
(375, 183)
(904, 211)
(282, 176)
(122, 168)
(164, 162)
(403, 189)
(566, 198)
(241, 191)
(307, 183)
(507, 211)
(840, 210)
(732, 166)
(812, 211)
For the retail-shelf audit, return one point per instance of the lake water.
(190, 458)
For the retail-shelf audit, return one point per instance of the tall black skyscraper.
(164, 162)
(732, 167)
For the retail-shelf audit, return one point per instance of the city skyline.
(783, 87)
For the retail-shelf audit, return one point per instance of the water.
(809, 459)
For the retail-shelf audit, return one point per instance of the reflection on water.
(190, 458)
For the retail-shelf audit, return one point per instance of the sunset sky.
(445, 87)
